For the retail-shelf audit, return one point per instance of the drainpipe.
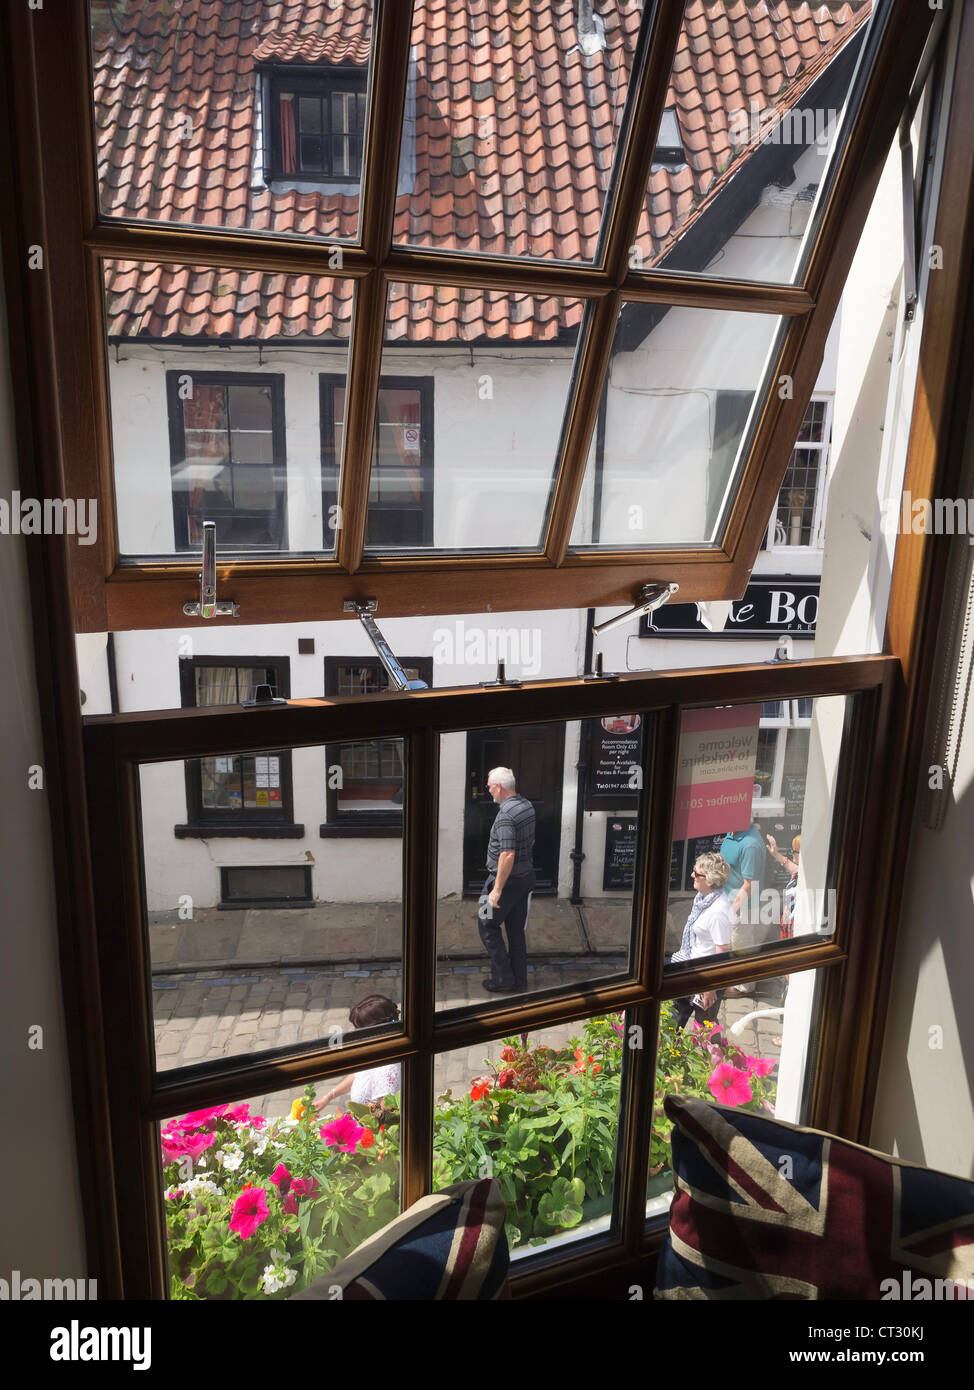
(112, 674)
(581, 777)
(585, 748)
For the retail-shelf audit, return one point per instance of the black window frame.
(177, 454)
(301, 80)
(247, 822)
(242, 904)
(346, 824)
(378, 513)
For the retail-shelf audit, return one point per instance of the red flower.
(367, 1140)
(305, 1187)
(250, 1211)
(508, 1055)
(479, 1089)
(281, 1179)
(507, 1078)
(290, 1205)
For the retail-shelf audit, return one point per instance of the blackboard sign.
(701, 844)
(677, 852)
(615, 750)
(618, 872)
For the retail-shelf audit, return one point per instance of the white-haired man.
(510, 882)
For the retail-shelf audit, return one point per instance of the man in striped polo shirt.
(510, 880)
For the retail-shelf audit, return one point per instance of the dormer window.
(669, 142)
(317, 124)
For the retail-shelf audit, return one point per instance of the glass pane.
(234, 972)
(665, 462)
(512, 117)
(539, 1113)
(186, 413)
(474, 474)
(752, 1052)
(263, 1197)
(206, 122)
(745, 144)
(566, 865)
(753, 825)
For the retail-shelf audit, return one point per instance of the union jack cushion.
(451, 1245)
(767, 1210)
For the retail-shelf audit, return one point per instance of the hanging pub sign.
(715, 770)
(772, 606)
(615, 745)
(619, 867)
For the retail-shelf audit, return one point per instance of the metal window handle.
(648, 599)
(208, 607)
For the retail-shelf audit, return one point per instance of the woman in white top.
(707, 933)
(364, 1087)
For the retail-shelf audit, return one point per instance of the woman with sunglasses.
(707, 933)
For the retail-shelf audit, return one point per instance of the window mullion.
(591, 374)
(361, 405)
(660, 37)
(380, 173)
(421, 838)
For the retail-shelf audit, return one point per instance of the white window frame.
(817, 543)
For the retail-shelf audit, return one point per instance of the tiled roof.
(515, 132)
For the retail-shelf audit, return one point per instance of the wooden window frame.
(49, 377)
(53, 119)
(177, 444)
(362, 824)
(141, 1096)
(258, 824)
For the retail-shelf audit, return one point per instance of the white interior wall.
(41, 1236)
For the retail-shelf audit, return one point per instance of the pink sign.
(715, 770)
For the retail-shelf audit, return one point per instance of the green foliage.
(543, 1122)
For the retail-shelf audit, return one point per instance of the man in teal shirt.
(744, 851)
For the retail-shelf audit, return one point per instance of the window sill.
(253, 831)
(352, 830)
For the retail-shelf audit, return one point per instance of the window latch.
(208, 607)
(649, 597)
(363, 611)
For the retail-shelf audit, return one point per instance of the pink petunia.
(759, 1066)
(173, 1147)
(308, 1187)
(729, 1085)
(290, 1205)
(257, 1122)
(239, 1114)
(281, 1178)
(203, 1119)
(249, 1211)
(196, 1143)
(343, 1133)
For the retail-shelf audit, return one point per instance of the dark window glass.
(228, 459)
(317, 126)
(236, 788)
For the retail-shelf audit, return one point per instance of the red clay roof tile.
(515, 132)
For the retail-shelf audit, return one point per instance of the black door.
(536, 755)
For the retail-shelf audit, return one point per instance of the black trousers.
(684, 1008)
(508, 964)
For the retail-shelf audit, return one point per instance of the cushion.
(451, 1245)
(768, 1210)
